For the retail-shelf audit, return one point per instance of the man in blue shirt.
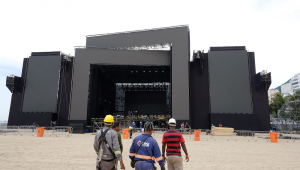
(145, 150)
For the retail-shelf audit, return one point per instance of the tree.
(277, 101)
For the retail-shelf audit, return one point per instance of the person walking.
(107, 146)
(188, 127)
(173, 139)
(141, 126)
(182, 127)
(117, 127)
(133, 125)
(145, 150)
(130, 131)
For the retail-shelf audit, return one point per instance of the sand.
(76, 152)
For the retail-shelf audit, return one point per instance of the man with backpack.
(107, 146)
(145, 150)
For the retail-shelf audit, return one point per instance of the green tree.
(277, 101)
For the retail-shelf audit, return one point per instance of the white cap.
(172, 122)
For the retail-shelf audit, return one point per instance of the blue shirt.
(133, 125)
(149, 151)
(141, 125)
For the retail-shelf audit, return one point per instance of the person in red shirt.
(173, 139)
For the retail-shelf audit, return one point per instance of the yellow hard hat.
(109, 119)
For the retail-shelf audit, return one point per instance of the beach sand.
(76, 152)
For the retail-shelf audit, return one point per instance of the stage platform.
(98, 123)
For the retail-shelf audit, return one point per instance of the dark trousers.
(143, 165)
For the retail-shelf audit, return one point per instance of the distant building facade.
(295, 82)
(289, 87)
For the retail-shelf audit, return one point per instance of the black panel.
(260, 98)
(227, 48)
(236, 121)
(199, 89)
(146, 102)
(45, 53)
(42, 119)
(136, 74)
(263, 79)
(13, 83)
(16, 98)
(229, 84)
(63, 101)
(78, 127)
(42, 81)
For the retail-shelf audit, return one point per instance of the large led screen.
(42, 84)
(229, 82)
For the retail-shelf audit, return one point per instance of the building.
(290, 86)
(147, 71)
(295, 82)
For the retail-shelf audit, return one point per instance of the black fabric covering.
(63, 101)
(42, 119)
(259, 98)
(78, 127)
(146, 102)
(16, 99)
(199, 94)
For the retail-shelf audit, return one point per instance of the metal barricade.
(10, 130)
(261, 135)
(243, 135)
(27, 130)
(32, 131)
(289, 136)
(62, 131)
(3, 126)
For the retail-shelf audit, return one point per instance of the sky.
(270, 28)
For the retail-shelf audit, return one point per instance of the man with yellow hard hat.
(107, 146)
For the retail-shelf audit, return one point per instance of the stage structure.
(141, 75)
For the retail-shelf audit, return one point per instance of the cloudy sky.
(270, 28)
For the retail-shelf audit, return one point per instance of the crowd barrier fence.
(32, 131)
(236, 135)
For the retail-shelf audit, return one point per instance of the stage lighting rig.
(13, 83)
(263, 78)
(65, 59)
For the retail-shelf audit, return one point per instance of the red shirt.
(173, 139)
